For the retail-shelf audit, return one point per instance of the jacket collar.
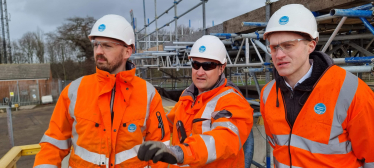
(191, 92)
(321, 63)
(126, 76)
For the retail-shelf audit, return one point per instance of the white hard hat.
(209, 47)
(113, 26)
(295, 18)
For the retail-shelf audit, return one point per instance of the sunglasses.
(206, 65)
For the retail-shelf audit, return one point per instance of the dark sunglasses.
(206, 65)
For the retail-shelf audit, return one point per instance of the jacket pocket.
(130, 133)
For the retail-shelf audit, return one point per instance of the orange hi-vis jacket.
(333, 129)
(82, 119)
(217, 124)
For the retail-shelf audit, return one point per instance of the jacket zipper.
(289, 139)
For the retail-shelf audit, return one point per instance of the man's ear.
(311, 46)
(126, 52)
(222, 68)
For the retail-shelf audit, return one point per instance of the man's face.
(293, 60)
(110, 54)
(205, 79)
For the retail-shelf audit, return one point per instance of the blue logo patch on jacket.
(283, 20)
(101, 27)
(202, 49)
(320, 108)
(132, 128)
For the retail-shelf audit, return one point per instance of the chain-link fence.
(30, 92)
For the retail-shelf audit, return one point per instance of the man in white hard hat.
(105, 117)
(211, 120)
(316, 114)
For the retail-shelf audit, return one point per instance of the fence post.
(10, 124)
(37, 82)
(19, 99)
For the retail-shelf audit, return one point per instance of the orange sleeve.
(234, 129)
(56, 142)
(360, 124)
(154, 133)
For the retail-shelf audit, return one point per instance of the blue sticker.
(202, 49)
(320, 108)
(101, 27)
(283, 20)
(132, 128)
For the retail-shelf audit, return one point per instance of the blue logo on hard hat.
(132, 128)
(101, 27)
(202, 49)
(320, 108)
(283, 20)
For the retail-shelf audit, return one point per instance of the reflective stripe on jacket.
(333, 129)
(217, 124)
(82, 119)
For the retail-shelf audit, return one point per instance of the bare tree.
(27, 45)
(39, 45)
(18, 56)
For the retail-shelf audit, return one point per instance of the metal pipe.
(156, 24)
(334, 34)
(165, 54)
(267, 77)
(349, 37)
(252, 35)
(175, 47)
(258, 53)
(328, 16)
(325, 17)
(204, 18)
(154, 51)
(360, 49)
(367, 24)
(145, 25)
(151, 41)
(167, 10)
(175, 19)
(227, 35)
(351, 13)
(354, 60)
(262, 46)
(240, 49)
(357, 69)
(246, 51)
(249, 70)
(254, 24)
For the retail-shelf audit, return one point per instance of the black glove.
(158, 151)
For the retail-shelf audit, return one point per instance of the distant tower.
(3, 33)
(9, 47)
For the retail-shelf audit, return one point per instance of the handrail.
(10, 159)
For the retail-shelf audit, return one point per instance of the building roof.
(24, 71)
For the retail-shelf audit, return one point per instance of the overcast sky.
(28, 15)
